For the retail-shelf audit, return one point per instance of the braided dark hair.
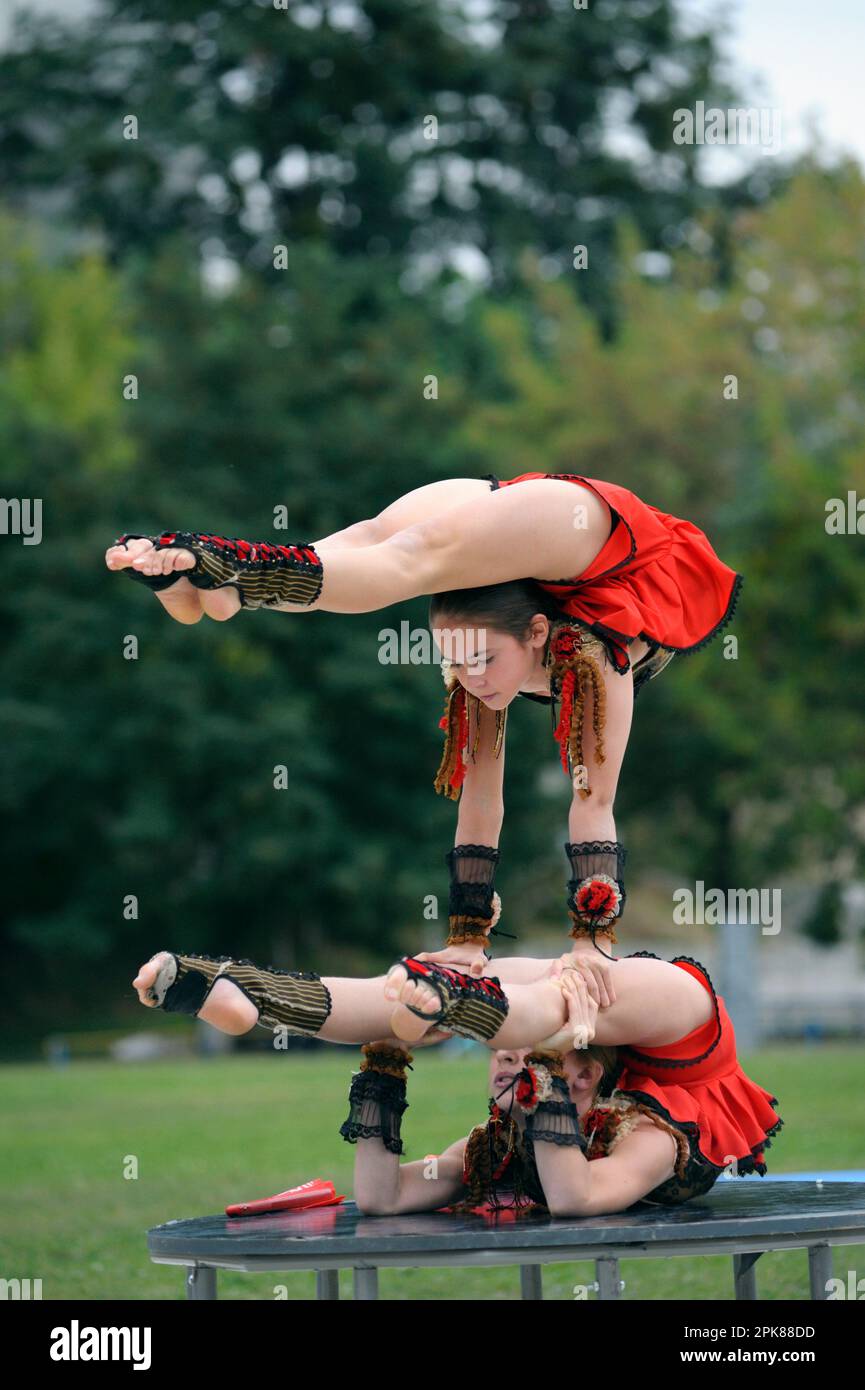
(573, 660)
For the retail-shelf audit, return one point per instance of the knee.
(368, 532)
(603, 798)
(421, 551)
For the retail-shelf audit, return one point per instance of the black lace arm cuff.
(556, 1121)
(377, 1098)
(596, 890)
(542, 1094)
(470, 903)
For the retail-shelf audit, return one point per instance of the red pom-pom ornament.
(598, 899)
(533, 1086)
(526, 1093)
(565, 644)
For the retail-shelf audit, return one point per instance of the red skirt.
(698, 1086)
(656, 577)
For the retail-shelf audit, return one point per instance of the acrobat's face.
(582, 1074)
(492, 664)
(505, 1066)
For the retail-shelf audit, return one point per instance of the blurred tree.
(823, 924)
(739, 765)
(308, 388)
(418, 134)
(159, 771)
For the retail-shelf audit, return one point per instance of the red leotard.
(656, 576)
(695, 1086)
(698, 1085)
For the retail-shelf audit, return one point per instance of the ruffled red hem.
(728, 1122)
(698, 1085)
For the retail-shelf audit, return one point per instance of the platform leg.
(819, 1269)
(531, 1285)
(327, 1283)
(607, 1276)
(366, 1283)
(200, 1282)
(745, 1276)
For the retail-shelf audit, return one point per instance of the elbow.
(566, 1208)
(370, 1204)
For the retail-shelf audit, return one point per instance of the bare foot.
(182, 600)
(146, 978)
(220, 604)
(402, 990)
(146, 558)
(226, 1006)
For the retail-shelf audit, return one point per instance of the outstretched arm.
(482, 804)
(377, 1100)
(385, 1187)
(473, 907)
(573, 1184)
(596, 889)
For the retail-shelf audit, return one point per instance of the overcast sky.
(802, 58)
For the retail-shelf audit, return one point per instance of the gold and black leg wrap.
(470, 902)
(294, 1002)
(596, 890)
(542, 1094)
(263, 574)
(474, 1007)
(377, 1096)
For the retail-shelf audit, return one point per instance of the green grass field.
(204, 1133)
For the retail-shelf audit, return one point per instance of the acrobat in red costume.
(578, 1132)
(638, 587)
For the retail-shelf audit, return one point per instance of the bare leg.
(530, 1008)
(490, 540)
(187, 604)
(413, 507)
(656, 1002)
(360, 1011)
(519, 970)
